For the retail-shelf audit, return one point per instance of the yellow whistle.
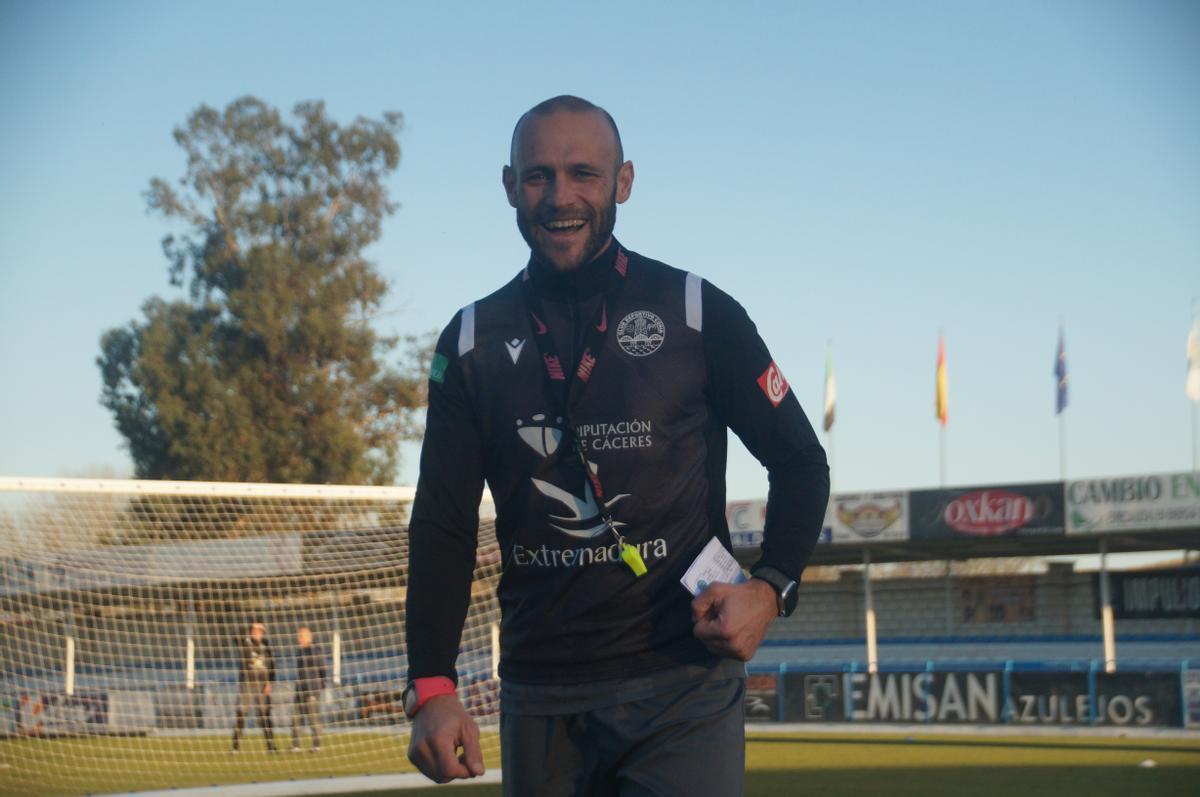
(631, 557)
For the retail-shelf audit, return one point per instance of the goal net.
(123, 605)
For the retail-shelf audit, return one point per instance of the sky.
(859, 175)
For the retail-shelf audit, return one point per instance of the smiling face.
(565, 181)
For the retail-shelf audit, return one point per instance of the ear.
(624, 181)
(509, 178)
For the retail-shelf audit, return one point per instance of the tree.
(270, 369)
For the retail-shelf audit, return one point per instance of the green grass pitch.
(777, 764)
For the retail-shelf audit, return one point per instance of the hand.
(732, 619)
(440, 729)
(267, 690)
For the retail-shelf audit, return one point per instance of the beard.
(600, 227)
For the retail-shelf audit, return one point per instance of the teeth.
(564, 224)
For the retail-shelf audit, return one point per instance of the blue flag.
(1060, 371)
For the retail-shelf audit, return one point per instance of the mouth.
(564, 227)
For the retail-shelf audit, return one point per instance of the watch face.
(789, 599)
(410, 700)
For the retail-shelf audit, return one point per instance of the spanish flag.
(943, 399)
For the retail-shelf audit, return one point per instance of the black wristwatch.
(786, 592)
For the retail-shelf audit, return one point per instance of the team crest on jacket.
(641, 333)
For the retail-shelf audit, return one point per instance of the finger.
(700, 606)
(420, 757)
(447, 761)
(706, 629)
(472, 759)
(707, 605)
(712, 632)
(472, 755)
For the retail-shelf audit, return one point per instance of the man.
(256, 674)
(310, 681)
(593, 393)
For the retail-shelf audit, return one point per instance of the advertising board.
(747, 518)
(813, 697)
(849, 518)
(58, 714)
(1153, 594)
(1126, 699)
(869, 517)
(1020, 510)
(941, 697)
(761, 702)
(1133, 503)
(1191, 697)
(998, 599)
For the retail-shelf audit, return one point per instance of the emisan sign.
(924, 697)
(1035, 698)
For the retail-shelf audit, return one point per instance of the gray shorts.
(687, 741)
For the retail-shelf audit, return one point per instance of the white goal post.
(122, 604)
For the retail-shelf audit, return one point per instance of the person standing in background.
(256, 674)
(310, 681)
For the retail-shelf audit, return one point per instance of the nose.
(560, 193)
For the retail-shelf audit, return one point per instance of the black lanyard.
(565, 393)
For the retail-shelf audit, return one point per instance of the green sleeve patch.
(437, 369)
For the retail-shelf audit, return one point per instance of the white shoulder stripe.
(466, 331)
(695, 308)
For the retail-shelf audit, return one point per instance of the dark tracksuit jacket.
(256, 664)
(680, 363)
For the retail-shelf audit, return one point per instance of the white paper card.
(714, 565)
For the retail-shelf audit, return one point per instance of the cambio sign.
(1167, 501)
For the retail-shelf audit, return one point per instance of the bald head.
(570, 104)
(567, 176)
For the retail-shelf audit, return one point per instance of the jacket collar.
(581, 283)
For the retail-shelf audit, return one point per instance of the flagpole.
(1062, 446)
(829, 410)
(1195, 441)
(942, 410)
(829, 437)
(1060, 401)
(942, 455)
(829, 431)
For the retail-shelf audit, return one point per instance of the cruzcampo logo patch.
(437, 369)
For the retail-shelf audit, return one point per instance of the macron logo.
(514, 347)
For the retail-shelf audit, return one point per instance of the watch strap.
(785, 588)
(421, 690)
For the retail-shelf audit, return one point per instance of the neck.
(581, 281)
